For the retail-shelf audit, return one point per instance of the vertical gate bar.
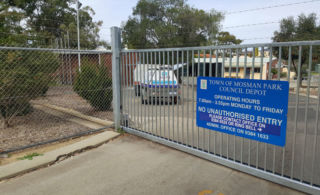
(198, 74)
(261, 61)
(157, 63)
(288, 79)
(234, 136)
(177, 104)
(139, 88)
(296, 112)
(147, 102)
(168, 94)
(132, 89)
(193, 145)
(125, 106)
(279, 62)
(252, 77)
(172, 89)
(278, 76)
(289, 62)
(230, 63)
(122, 86)
(269, 75)
(216, 75)
(230, 67)
(152, 89)
(222, 75)
(306, 113)
(314, 153)
(210, 75)
(253, 62)
(154, 98)
(162, 96)
(129, 89)
(188, 136)
(261, 70)
(244, 76)
(182, 100)
(237, 65)
(204, 74)
(130, 83)
(245, 62)
(154, 105)
(210, 62)
(143, 89)
(138, 105)
(158, 101)
(154, 102)
(127, 86)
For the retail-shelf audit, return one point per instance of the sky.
(117, 12)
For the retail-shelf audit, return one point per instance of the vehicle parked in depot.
(158, 83)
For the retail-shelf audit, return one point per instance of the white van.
(155, 82)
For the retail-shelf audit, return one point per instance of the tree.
(23, 77)
(169, 23)
(10, 26)
(225, 38)
(49, 21)
(94, 84)
(301, 29)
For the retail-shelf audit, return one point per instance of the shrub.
(94, 85)
(24, 75)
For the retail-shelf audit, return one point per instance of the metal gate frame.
(185, 147)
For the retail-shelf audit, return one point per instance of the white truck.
(156, 83)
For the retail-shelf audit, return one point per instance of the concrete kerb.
(79, 115)
(24, 166)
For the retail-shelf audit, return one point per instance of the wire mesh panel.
(44, 91)
(159, 95)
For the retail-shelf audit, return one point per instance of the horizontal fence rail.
(164, 110)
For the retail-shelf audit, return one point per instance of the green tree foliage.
(47, 22)
(10, 26)
(94, 84)
(170, 23)
(301, 29)
(225, 38)
(23, 77)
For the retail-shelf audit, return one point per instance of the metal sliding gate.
(165, 112)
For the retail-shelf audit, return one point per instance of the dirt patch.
(36, 127)
(64, 96)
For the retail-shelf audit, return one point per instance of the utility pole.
(78, 29)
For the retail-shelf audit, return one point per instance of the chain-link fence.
(48, 94)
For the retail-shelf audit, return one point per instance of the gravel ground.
(64, 96)
(36, 127)
(39, 126)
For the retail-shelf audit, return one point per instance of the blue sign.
(253, 109)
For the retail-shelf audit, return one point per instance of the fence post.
(116, 48)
